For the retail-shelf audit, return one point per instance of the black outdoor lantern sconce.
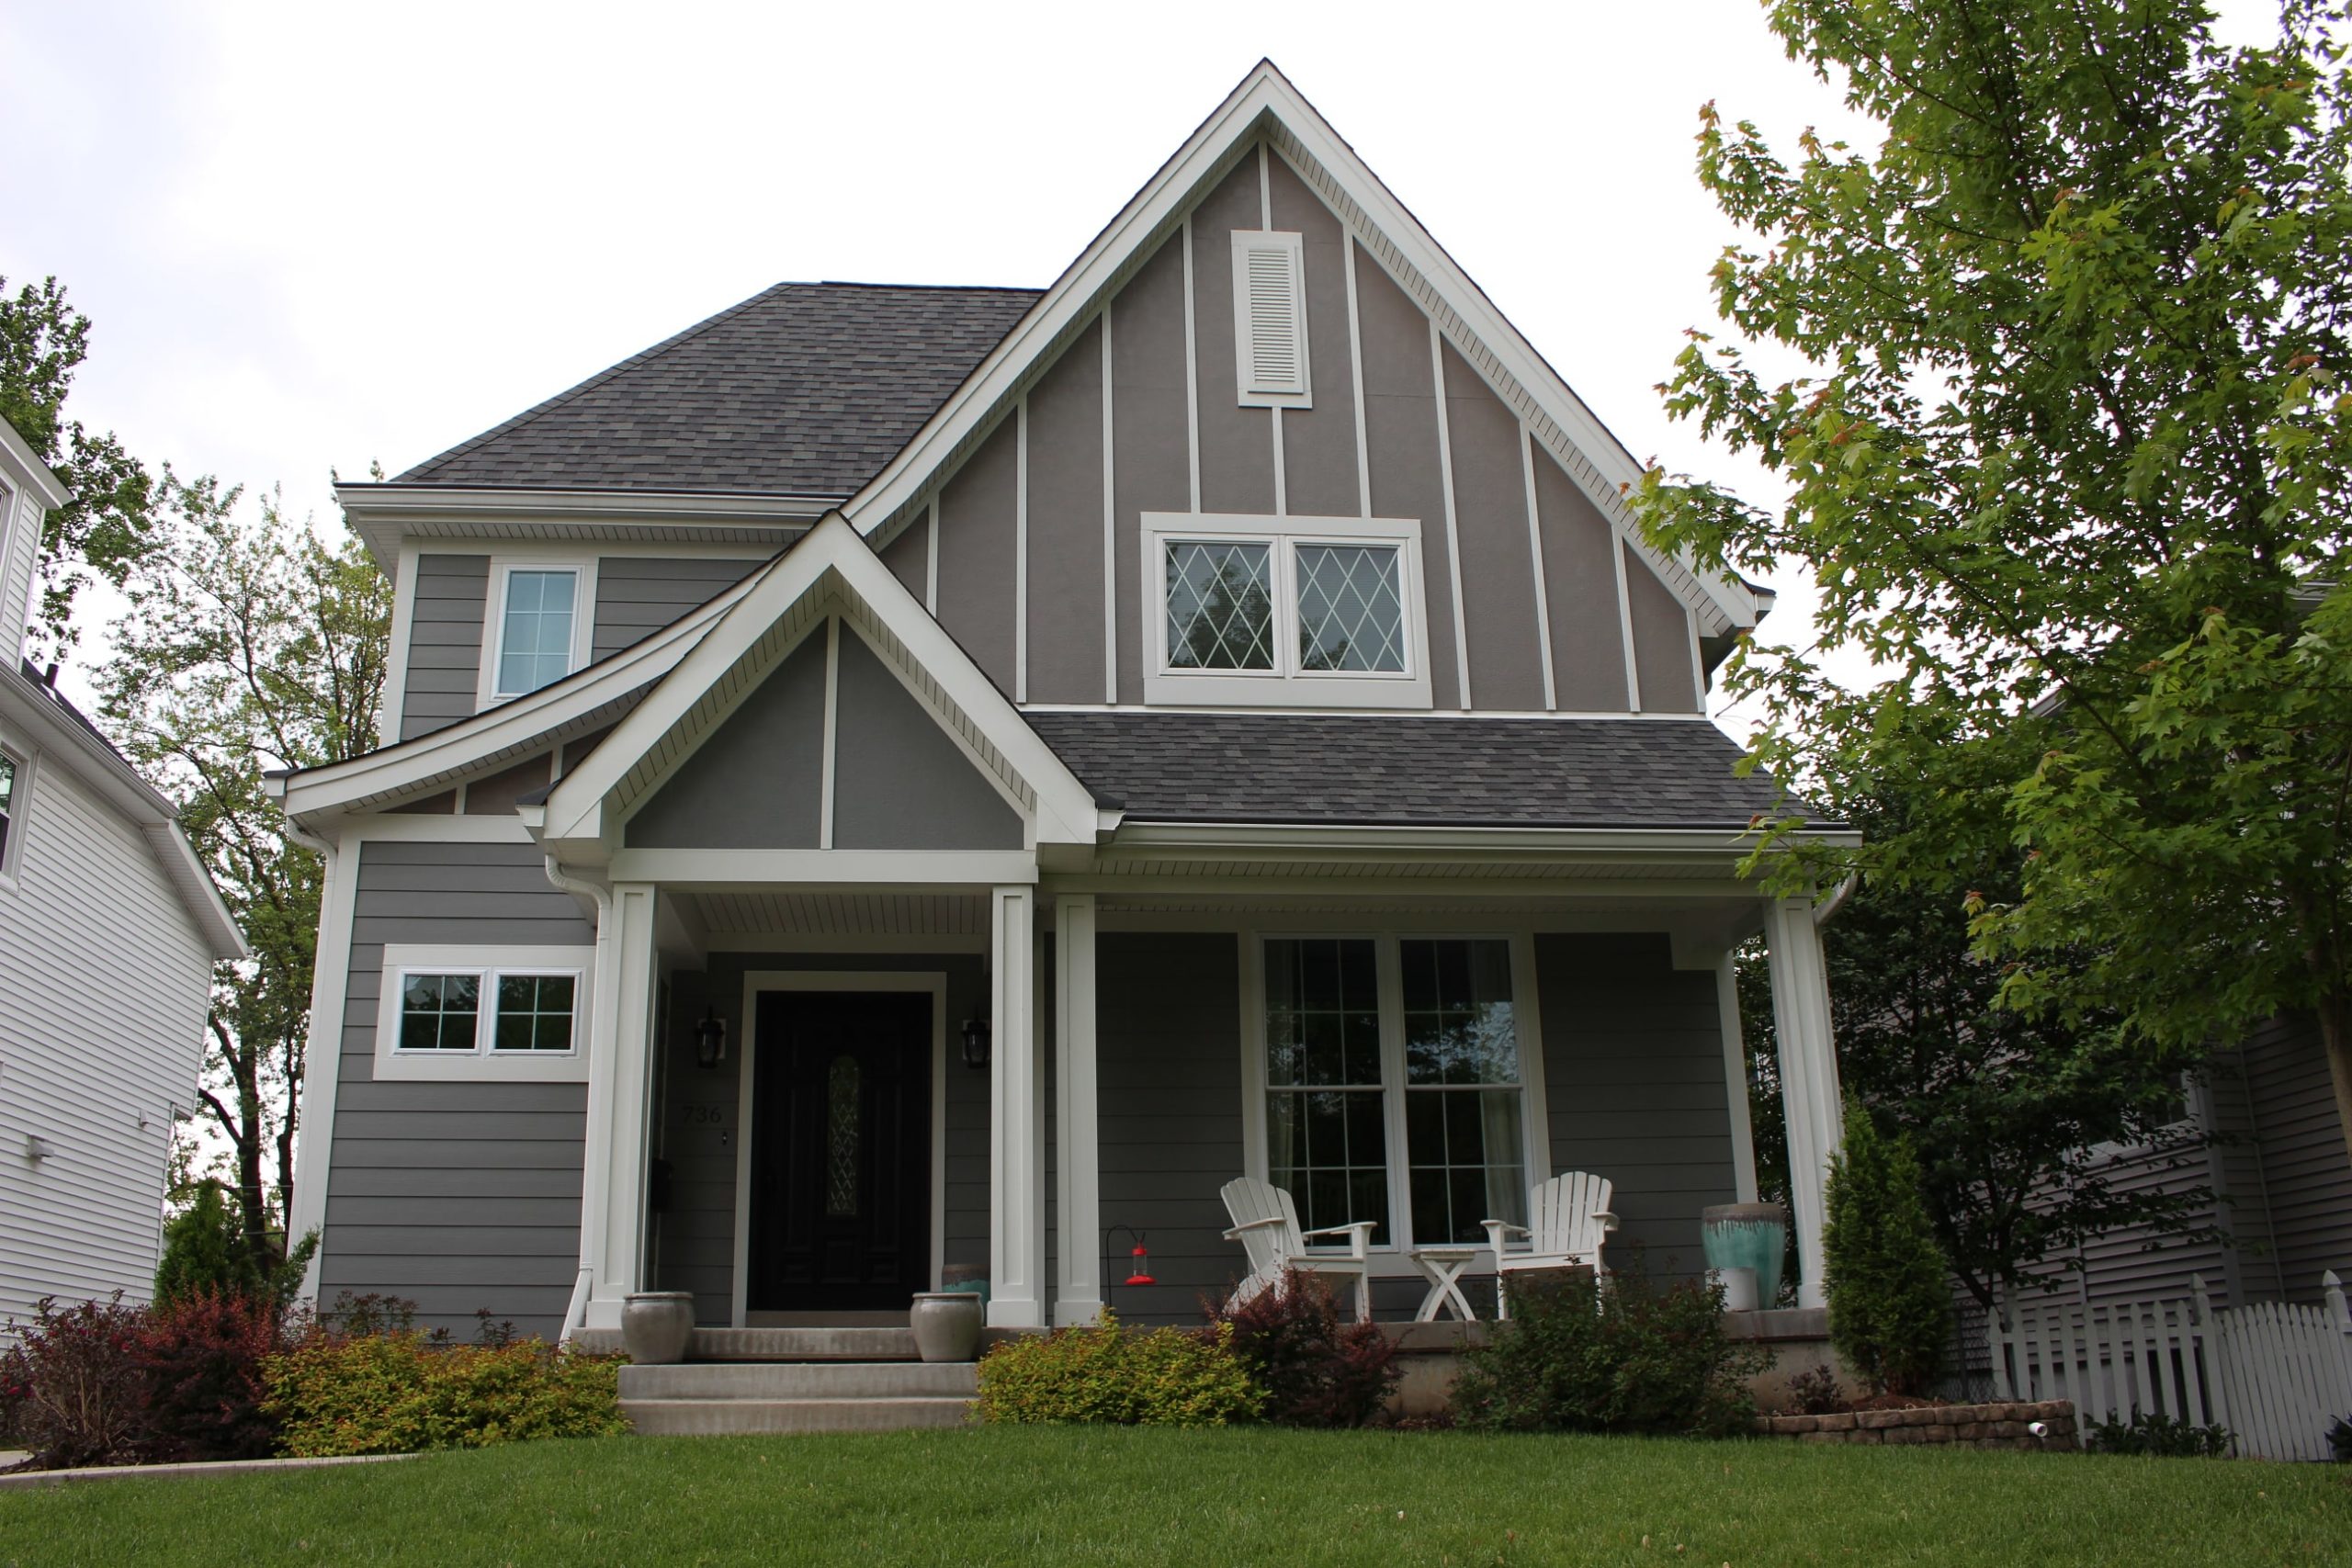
(710, 1040)
(976, 1042)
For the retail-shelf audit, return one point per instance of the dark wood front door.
(841, 1151)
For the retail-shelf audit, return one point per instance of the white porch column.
(1016, 1101)
(1809, 1092)
(1078, 1195)
(620, 1062)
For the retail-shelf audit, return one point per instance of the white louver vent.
(1270, 319)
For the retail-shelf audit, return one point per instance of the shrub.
(78, 1396)
(1316, 1370)
(202, 1358)
(1169, 1377)
(398, 1393)
(2339, 1439)
(1815, 1393)
(207, 1252)
(1579, 1355)
(1890, 1303)
(2158, 1435)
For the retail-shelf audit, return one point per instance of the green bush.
(1890, 1296)
(1581, 1355)
(1169, 1377)
(207, 1252)
(380, 1393)
(2163, 1437)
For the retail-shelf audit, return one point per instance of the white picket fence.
(2277, 1375)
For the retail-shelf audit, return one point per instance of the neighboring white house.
(108, 929)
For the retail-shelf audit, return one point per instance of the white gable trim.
(1265, 101)
(583, 812)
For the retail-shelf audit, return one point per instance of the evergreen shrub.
(1169, 1377)
(1888, 1285)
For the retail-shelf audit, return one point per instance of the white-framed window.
(538, 622)
(1286, 612)
(14, 776)
(1397, 1083)
(1270, 320)
(510, 1014)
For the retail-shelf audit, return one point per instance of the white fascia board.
(410, 764)
(575, 818)
(1191, 840)
(23, 464)
(194, 883)
(1264, 93)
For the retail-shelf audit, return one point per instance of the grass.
(1040, 1495)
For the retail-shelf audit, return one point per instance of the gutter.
(1836, 900)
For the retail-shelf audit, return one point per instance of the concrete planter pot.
(1747, 1235)
(657, 1325)
(946, 1324)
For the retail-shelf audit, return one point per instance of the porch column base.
(1809, 1092)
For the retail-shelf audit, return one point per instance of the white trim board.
(933, 981)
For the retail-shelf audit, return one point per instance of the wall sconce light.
(975, 1041)
(710, 1040)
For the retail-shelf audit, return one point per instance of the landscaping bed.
(1045, 1496)
(2006, 1424)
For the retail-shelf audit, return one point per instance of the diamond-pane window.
(1351, 614)
(1220, 605)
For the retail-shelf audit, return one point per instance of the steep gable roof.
(807, 389)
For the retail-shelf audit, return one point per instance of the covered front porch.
(784, 1122)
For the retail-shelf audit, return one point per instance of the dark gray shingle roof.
(808, 389)
(1489, 773)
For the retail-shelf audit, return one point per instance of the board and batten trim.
(1625, 627)
(1110, 526)
(1452, 530)
(932, 982)
(1535, 555)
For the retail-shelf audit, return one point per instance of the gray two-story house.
(893, 781)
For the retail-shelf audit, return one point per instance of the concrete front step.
(776, 1343)
(737, 1417)
(802, 1379)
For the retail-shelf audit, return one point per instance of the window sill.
(469, 1066)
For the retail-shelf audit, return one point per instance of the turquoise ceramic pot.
(1747, 1235)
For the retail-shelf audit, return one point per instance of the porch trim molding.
(866, 869)
(933, 983)
(1078, 1171)
(1016, 1115)
(329, 983)
(613, 1188)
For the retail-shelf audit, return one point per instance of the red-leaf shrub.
(1317, 1371)
(202, 1358)
(75, 1388)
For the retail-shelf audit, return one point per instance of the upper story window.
(7, 812)
(540, 624)
(1305, 612)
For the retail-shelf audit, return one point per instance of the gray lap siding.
(456, 1196)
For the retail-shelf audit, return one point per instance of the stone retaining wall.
(2001, 1426)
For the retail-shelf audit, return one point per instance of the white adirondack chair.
(1567, 1220)
(1265, 1222)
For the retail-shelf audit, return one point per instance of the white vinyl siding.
(1270, 320)
(96, 1052)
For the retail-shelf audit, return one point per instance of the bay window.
(1303, 612)
(1394, 1084)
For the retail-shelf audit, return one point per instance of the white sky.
(313, 235)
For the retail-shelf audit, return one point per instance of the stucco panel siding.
(1626, 1034)
(1066, 526)
(909, 556)
(464, 1200)
(699, 1121)
(1168, 1058)
(1151, 464)
(638, 595)
(1580, 594)
(1663, 647)
(977, 517)
(450, 596)
(104, 985)
(1497, 573)
(755, 782)
(1401, 447)
(1236, 443)
(1319, 442)
(899, 782)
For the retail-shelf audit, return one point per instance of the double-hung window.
(494, 1013)
(539, 626)
(1395, 1086)
(1306, 612)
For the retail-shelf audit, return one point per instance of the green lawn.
(1102, 1495)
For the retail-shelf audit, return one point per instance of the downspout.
(591, 1194)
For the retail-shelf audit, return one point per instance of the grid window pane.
(535, 648)
(1464, 1145)
(1326, 1131)
(1458, 1022)
(1463, 1140)
(8, 803)
(439, 1012)
(1350, 609)
(1220, 605)
(534, 1012)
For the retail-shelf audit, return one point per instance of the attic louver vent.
(1270, 319)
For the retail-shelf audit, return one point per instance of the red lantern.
(1142, 1274)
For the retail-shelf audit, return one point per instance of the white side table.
(1443, 1267)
